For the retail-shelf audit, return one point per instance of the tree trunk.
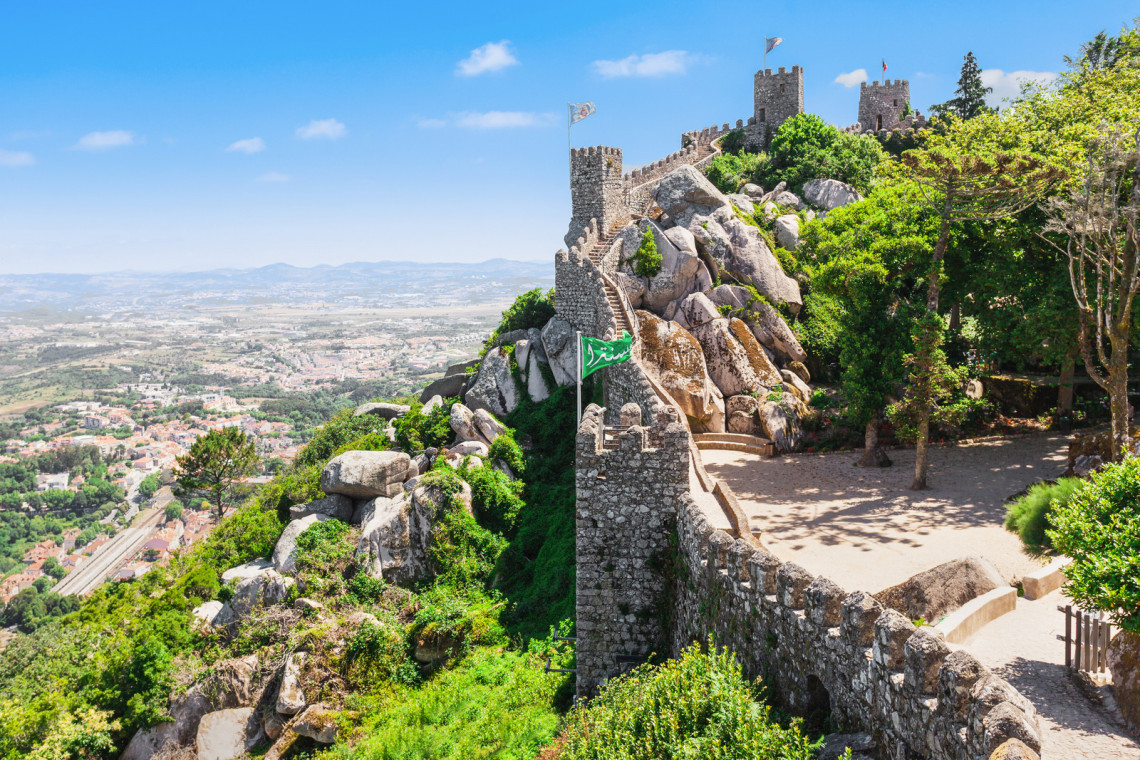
(873, 454)
(934, 288)
(920, 455)
(1118, 396)
(1065, 390)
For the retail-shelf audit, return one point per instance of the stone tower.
(597, 190)
(881, 105)
(778, 97)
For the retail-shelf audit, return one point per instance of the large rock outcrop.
(337, 505)
(686, 192)
(752, 260)
(736, 361)
(495, 388)
(828, 194)
(558, 341)
(285, 551)
(254, 594)
(396, 533)
(367, 474)
(679, 266)
(676, 361)
(764, 322)
(226, 734)
(940, 590)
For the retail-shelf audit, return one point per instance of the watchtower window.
(781, 89)
(762, 117)
(896, 102)
(878, 122)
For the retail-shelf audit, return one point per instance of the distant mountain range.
(371, 284)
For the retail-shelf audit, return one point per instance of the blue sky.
(201, 135)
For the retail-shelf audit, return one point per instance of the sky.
(187, 136)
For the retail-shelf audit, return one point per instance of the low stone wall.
(826, 650)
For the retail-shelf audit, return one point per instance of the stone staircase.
(596, 252)
(750, 444)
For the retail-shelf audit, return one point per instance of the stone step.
(767, 450)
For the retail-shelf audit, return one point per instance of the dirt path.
(866, 530)
(1022, 647)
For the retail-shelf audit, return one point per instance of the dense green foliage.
(150, 485)
(343, 428)
(970, 98)
(416, 431)
(805, 147)
(1028, 515)
(646, 260)
(531, 309)
(696, 706)
(733, 168)
(1099, 529)
(492, 704)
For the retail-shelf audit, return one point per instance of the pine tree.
(971, 93)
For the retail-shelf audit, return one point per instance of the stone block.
(823, 600)
(859, 611)
(763, 567)
(791, 582)
(892, 629)
(956, 679)
(925, 652)
(1006, 722)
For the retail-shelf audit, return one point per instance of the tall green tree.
(1105, 52)
(970, 97)
(869, 256)
(960, 183)
(214, 466)
(1100, 222)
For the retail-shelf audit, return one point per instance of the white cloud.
(648, 65)
(273, 177)
(432, 123)
(494, 56)
(503, 119)
(1009, 85)
(852, 78)
(16, 158)
(116, 138)
(252, 145)
(322, 129)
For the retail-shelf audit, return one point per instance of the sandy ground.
(865, 529)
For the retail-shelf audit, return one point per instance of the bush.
(376, 655)
(805, 147)
(729, 171)
(695, 706)
(531, 309)
(462, 551)
(343, 428)
(495, 498)
(646, 260)
(416, 431)
(1028, 516)
(1099, 528)
(505, 447)
(455, 620)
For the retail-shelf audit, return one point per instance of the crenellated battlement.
(881, 105)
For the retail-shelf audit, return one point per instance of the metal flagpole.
(579, 378)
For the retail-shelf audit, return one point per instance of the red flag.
(884, 64)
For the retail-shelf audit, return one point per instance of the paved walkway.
(866, 530)
(1022, 647)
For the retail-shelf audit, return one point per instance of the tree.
(805, 147)
(960, 183)
(1099, 220)
(971, 93)
(1104, 52)
(215, 464)
(1099, 529)
(173, 510)
(866, 255)
(150, 485)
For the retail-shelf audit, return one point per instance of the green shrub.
(416, 431)
(1028, 516)
(377, 655)
(495, 498)
(805, 147)
(695, 706)
(455, 620)
(461, 550)
(324, 551)
(343, 428)
(1099, 528)
(729, 171)
(646, 260)
(377, 441)
(533, 308)
(493, 704)
(505, 447)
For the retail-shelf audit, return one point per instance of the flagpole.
(579, 378)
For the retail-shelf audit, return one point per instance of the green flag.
(602, 353)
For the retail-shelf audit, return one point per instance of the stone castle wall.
(623, 531)
(777, 97)
(826, 649)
